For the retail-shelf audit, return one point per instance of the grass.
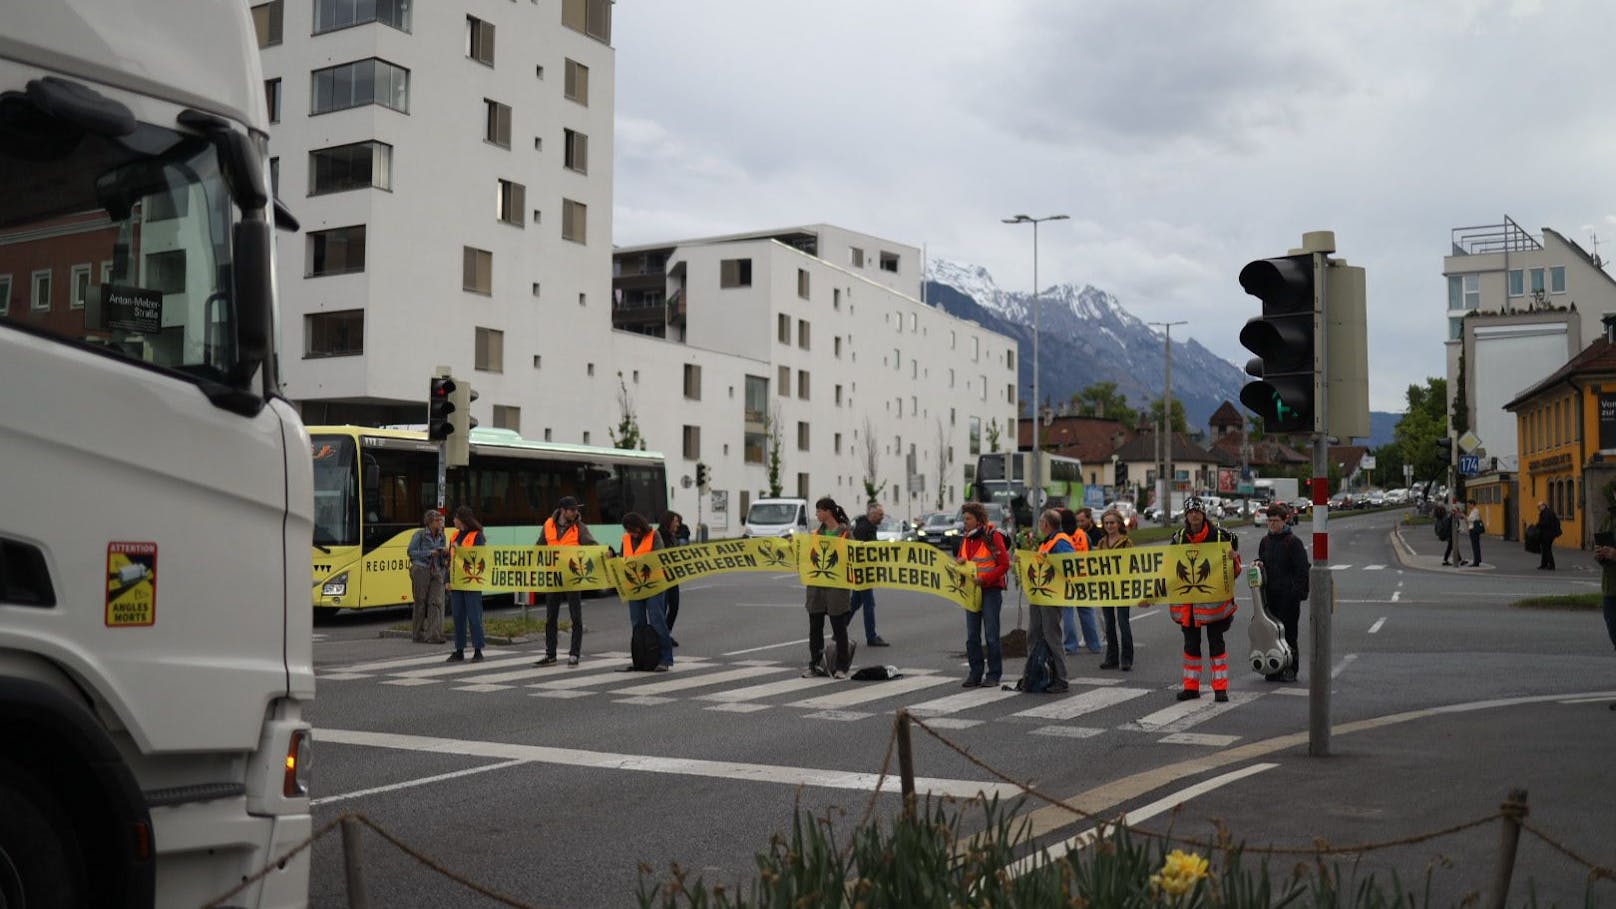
(1573, 601)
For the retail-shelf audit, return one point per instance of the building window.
(802, 334)
(982, 385)
(782, 328)
(577, 151)
(802, 436)
(490, 353)
(78, 285)
(267, 22)
(1010, 358)
(330, 15)
(592, 17)
(836, 443)
(785, 382)
(165, 272)
(1517, 282)
(272, 99)
(577, 83)
(508, 417)
(692, 442)
(41, 290)
(338, 251)
(477, 270)
(735, 273)
(1557, 281)
(836, 345)
(334, 334)
(914, 369)
(757, 399)
(889, 262)
(753, 445)
(496, 123)
(693, 381)
(512, 202)
(370, 81)
(976, 349)
(1537, 283)
(480, 40)
(836, 298)
(838, 395)
(5, 295)
(975, 436)
(802, 283)
(362, 165)
(855, 257)
(897, 359)
(802, 486)
(574, 221)
(802, 384)
(1464, 291)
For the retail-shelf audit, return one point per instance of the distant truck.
(1277, 489)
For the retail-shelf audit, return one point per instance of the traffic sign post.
(1469, 465)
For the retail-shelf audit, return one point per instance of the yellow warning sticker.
(131, 584)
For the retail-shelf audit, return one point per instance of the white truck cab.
(776, 518)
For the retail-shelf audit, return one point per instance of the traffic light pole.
(443, 474)
(1321, 584)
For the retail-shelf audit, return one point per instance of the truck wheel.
(39, 858)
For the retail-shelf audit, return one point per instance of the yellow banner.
(639, 577)
(545, 569)
(839, 562)
(1127, 577)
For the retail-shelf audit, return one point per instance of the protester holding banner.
(1072, 526)
(674, 533)
(984, 548)
(1118, 629)
(564, 528)
(1215, 617)
(466, 604)
(639, 539)
(864, 530)
(825, 601)
(1045, 626)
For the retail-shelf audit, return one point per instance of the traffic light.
(701, 475)
(440, 408)
(1444, 445)
(1121, 478)
(457, 448)
(1284, 338)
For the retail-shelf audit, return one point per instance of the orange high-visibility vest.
(1196, 614)
(551, 538)
(1049, 544)
(629, 549)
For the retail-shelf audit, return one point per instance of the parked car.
(948, 537)
(894, 530)
(937, 525)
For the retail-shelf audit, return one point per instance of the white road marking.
(1102, 682)
(1299, 692)
(1397, 594)
(766, 647)
(873, 692)
(1342, 666)
(561, 695)
(1184, 714)
(965, 700)
(382, 665)
(465, 666)
(1376, 627)
(485, 686)
(569, 682)
(757, 662)
(644, 701)
(845, 716)
(640, 763)
(342, 676)
(408, 683)
(739, 708)
(1136, 816)
(1374, 568)
(758, 692)
(671, 685)
(1199, 738)
(1079, 704)
(947, 722)
(393, 787)
(1593, 700)
(1068, 732)
(1340, 567)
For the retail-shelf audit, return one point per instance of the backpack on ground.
(645, 647)
(1040, 671)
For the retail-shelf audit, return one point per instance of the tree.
(993, 435)
(1180, 423)
(872, 463)
(1425, 421)
(1102, 399)
(771, 426)
(942, 463)
(627, 433)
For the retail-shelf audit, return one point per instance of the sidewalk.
(1418, 547)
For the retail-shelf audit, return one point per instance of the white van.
(776, 518)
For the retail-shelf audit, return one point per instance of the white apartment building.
(451, 165)
(1519, 307)
(819, 331)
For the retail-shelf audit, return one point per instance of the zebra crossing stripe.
(863, 694)
(1079, 704)
(1199, 738)
(758, 692)
(458, 668)
(954, 703)
(569, 682)
(1185, 714)
(1374, 568)
(1068, 732)
(733, 675)
(384, 665)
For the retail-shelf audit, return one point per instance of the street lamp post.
(1165, 478)
(1035, 488)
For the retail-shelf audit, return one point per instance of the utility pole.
(1035, 487)
(1164, 480)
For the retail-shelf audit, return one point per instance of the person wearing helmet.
(1214, 617)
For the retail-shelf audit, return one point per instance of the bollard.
(906, 763)
(1514, 808)
(351, 865)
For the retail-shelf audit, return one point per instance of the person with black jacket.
(564, 527)
(864, 531)
(1447, 520)
(1548, 527)
(1285, 582)
(674, 533)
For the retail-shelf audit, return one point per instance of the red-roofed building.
(1091, 440)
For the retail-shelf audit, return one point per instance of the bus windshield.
(121, 243)
(336, 492)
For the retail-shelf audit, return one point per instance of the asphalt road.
(554, 784)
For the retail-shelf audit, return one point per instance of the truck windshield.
(120, 243)
(336, 491)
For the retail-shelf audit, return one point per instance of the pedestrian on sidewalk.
(1214, 617)
(1447, 523)
(1548, 527)
(1285, 582)
(466, 604)
(1473, 518)
(429, 561)
(864, 531)
(564, 527)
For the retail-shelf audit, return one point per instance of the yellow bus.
(372, 485)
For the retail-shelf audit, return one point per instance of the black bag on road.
(645, 647)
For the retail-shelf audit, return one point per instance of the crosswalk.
(1094, 706)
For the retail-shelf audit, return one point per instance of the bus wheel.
(39, 859)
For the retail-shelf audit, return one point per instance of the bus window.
(336, 492)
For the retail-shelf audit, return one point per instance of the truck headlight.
(336, 587)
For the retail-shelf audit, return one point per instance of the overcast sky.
(1183, 138)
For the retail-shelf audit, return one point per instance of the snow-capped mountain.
(1087, 336)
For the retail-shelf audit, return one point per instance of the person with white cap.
(1214, 617)
(564, 528)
